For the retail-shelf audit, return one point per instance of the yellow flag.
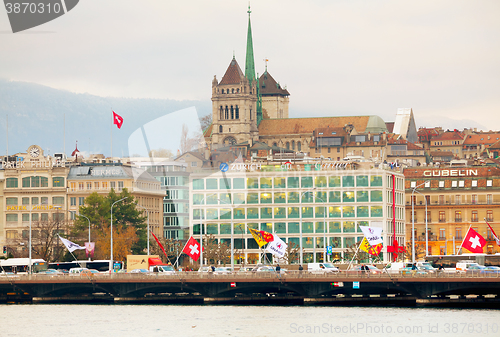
(365, 246)
(257, 235)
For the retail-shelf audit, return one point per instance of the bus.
(99, 265)
(20, 265)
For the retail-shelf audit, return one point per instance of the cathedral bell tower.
(235, 102)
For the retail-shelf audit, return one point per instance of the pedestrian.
(300, 270)
(212, 268)
(278, 269)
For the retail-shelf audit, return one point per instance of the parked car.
(244, 270)
(80, 272)
(139, 271)
(222, 270)
(366, 268)
(325, 267)
(51, 272)
(264, 269)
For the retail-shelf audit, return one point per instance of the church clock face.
(34, 151)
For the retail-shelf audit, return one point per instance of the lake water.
(44, 320)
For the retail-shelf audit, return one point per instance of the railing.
(305, 275)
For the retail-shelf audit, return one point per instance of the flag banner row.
(372, 250)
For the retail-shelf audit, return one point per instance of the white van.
(463, 266)
(323, 267)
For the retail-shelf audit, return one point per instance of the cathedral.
(247, 110)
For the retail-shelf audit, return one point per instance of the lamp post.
(111, 251)
(89, 228)
(29, 252)
(413, 222)
(232, 233)
(426, 226)
(201, 229)
(148, 222)
(300, 229)
(324, 231)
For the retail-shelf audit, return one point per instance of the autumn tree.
(172, 248)
(419, 252)
(206, 121)
(97, 209)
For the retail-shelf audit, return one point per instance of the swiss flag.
(192, 248)
(117, 119)
(473, 241)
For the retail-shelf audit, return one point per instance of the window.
(442, 216)
(58, 182)
(458, 216)
(474, 217)
(81, 186)
(474, 183)
(120, 185)
(474, 199)
(11, 182)
(489, 183)
(89, 186)
(441, 199)
(81, 201)
(299, 146)
(458, 199)
(96, 185)
(442, 234)
(413, 184)
(26, 201)
(72, 201)
(489, 215)
(112, 185)
(454, 183)
(461, 183)
(458, 233)
(11, 201)
(57, 200)
(489, 199)
(441, 183)
(11, 217)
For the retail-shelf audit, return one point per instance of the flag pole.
(182, 250)
(111, 132)
(355, 254)
(459, 249)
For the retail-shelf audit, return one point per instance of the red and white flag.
(473, 241)
(118, 120)
(494, 234)
(192, 249)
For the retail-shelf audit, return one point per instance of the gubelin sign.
(450, 173)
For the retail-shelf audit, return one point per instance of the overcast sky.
(336, 58)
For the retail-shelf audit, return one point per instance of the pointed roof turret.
(233, 74)
(249, 65)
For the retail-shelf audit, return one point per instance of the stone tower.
(236, 103)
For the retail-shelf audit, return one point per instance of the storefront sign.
(450, 173)
(25, 208)
(31, 164)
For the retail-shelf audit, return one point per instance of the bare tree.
(161, 152)
(292, 252)
(206, 121)
(189, 143)
(172, 248)
(419, 251)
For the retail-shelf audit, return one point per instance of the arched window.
(288, 145)
(226, 112)
(299, 146)
(222, 90)
(293, 145)
(232, 112)
(229, 141)
(220, 128)
(275, 144)
(238, 90)
(232, 91)
(237, 112)
(221, 113)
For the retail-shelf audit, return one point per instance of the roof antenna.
(266, 60)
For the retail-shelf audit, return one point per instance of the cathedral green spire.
(249, 65)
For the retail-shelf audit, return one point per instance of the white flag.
(277, 247)
(70, 245)
(372, 234)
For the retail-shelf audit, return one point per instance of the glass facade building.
(328, 205)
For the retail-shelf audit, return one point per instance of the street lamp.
(300, 229)
(413, 222)
(324, 231)
(201, 229)
(111, 253)
(232, 233)
(148, 222)
(89, 227)
(31, 208)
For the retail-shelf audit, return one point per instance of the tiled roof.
(390, 126)
(268, 86)
(233, 74)
(482, 138)
(449, 135)
(269, 127)
(208, 131)
(442, 154)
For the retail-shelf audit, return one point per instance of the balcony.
(458, 219)
(442, 220)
